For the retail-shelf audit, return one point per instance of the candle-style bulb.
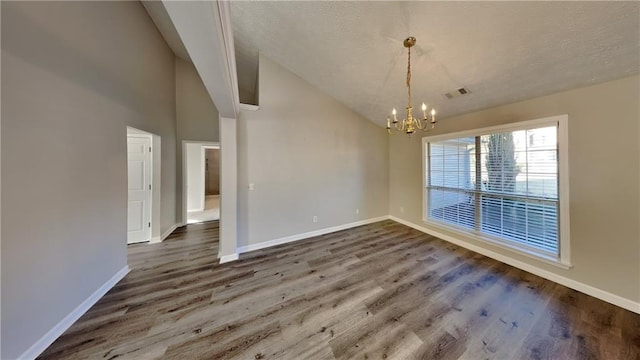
(433, 112)
(424, 107)
(393, 111)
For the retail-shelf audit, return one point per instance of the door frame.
(203, 145)
(155, 176)
(203, 149)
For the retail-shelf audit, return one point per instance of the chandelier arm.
(401, 128)
(420, 124)
(428, 128)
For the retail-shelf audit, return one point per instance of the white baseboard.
(573, 284)
(292, 238)
(156, 239)
(229, 258)
(41, 345)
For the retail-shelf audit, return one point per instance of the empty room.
(320, 180)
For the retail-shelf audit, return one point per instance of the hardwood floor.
(380, 291)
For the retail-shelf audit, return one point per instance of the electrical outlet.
(315, 219)
(402, 209)
(357, 211)
(251, 187)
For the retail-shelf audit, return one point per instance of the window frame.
(563, 259)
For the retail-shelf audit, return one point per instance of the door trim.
(203, 144)
(155, 180)
(203, 149)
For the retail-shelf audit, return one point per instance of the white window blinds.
(501, 184)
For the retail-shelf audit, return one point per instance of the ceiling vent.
(456, 93)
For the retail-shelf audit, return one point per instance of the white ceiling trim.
(204, 27)
(224, 10)
(158, 14)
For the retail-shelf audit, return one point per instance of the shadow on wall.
(55, 55)
(212, 171)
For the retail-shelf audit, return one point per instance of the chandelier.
(410, 123)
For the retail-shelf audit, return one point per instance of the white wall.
(307, 155)
(196, 114)
(228, 189)
(74, 75)
(604, 154)
(195, 177)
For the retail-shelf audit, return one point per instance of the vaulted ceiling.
(500, 51)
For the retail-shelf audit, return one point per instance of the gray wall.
(306, 154)
(74, 75)
(196, 114)
(604, 162)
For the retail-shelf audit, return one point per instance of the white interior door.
(139, 174)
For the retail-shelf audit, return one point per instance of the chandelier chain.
(409, 78)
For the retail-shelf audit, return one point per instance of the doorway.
(143, 186)
(202, 181)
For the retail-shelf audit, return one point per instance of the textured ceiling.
(501, 51)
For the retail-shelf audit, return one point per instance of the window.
(505, 184)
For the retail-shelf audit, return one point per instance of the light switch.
(251, 187)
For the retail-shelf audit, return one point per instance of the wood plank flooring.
(380, 291)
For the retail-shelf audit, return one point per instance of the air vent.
(461, 91)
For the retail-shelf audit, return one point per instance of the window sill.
(547, 259)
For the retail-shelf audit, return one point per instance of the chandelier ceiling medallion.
(410, 123)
